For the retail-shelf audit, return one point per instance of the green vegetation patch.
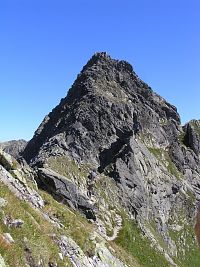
(124, 255)
(188, 251)
(151, 225)
(131, 239)
(69, 168)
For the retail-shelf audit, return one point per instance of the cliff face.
(115, 151)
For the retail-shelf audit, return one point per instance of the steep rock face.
(113, 122)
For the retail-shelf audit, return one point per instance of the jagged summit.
(98, 57)
(101, 66)
(103, 58)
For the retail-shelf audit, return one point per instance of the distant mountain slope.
(14, 147)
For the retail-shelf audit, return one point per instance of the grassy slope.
(35, 233)
(131, 239)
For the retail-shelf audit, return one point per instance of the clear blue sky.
(45, 43)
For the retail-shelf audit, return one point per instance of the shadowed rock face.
(192, 137)
(65, 191)
(114, 122)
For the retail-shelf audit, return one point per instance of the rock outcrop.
(65, 190)
(13, 176)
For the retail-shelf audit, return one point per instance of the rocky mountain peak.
(107, 102)
(101, 69)
(102, 59)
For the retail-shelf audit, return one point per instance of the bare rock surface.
(102, 257)
(65, 191)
